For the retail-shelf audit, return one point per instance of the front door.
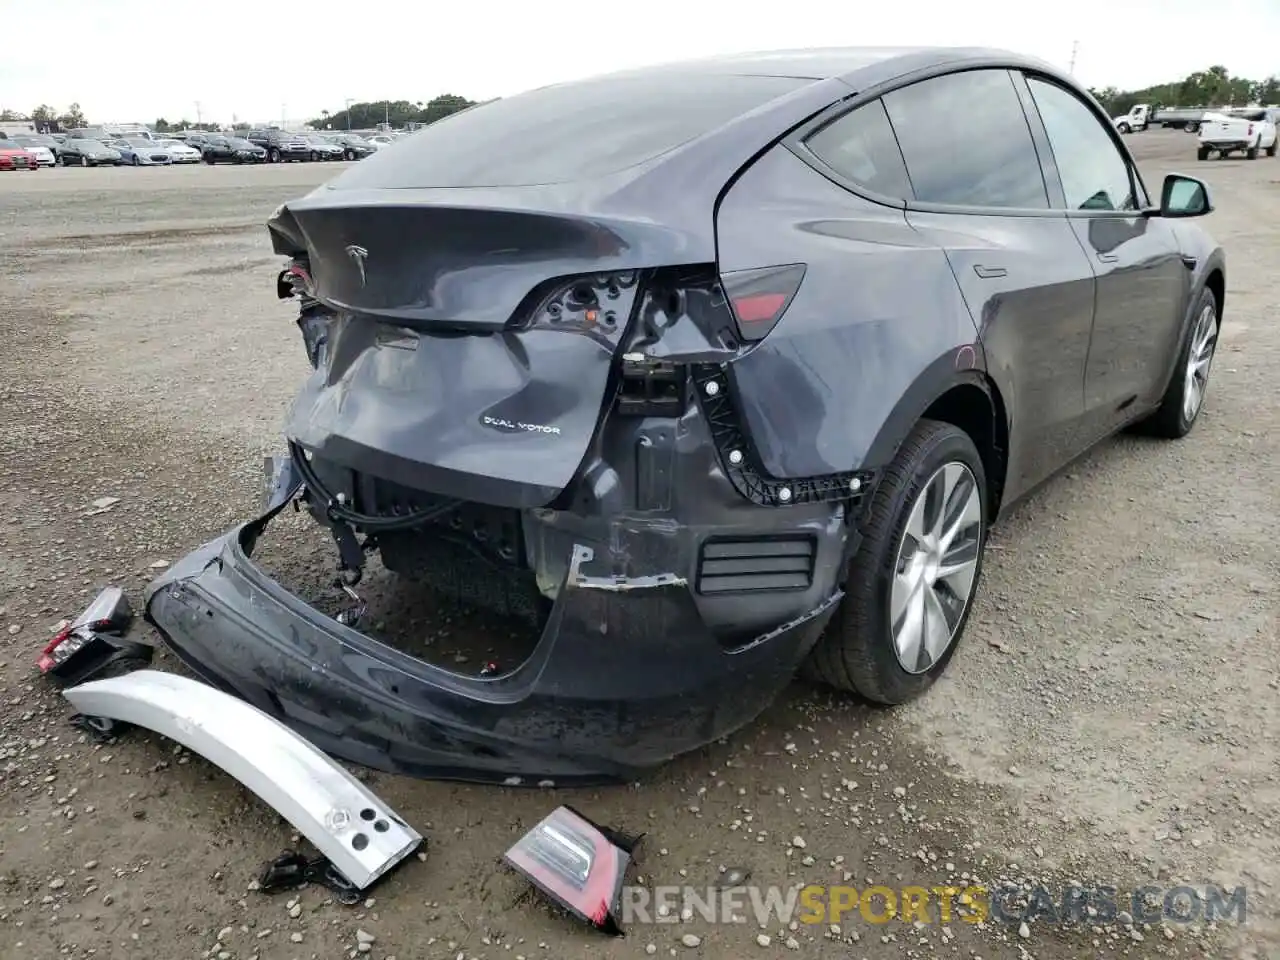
(1143, 280)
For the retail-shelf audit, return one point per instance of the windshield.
(240, 144)
(90, 144)
(571, 131)
(139, 142)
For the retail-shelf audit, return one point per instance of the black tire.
(314, 156)
(136, 161)
(855, 654)
(1124, 128)
(1252, 152)
(209, 159)
(1170, 419)
(349, 155)
(1202, 153)
(1271, 150)
(273, 155)
(84, 161)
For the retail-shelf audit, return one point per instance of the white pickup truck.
(1247, 131)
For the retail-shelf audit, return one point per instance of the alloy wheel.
(937, 565)
(1203, 341)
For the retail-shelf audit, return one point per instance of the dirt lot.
(1112, 718)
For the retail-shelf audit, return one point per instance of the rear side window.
(861, 147)
(567, 132)
(966, 142)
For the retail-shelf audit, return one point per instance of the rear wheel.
(911, 583)
(1271, 150)
(273, 155)
(1252, 152)
(1202, 153)
(1184, 397)
(1123, 128)
(314, 156)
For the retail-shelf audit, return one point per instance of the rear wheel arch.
(966, 398)
(977, 408)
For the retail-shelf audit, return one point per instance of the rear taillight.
(760, 297)
(1250, 133)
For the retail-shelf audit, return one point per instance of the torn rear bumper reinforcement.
(355, 831)
(625, 676)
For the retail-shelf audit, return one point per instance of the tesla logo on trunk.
(358, 254)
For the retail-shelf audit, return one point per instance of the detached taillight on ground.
(93, 643)
(577, 864)
(760, 297)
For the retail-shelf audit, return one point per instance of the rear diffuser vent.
(747, 565)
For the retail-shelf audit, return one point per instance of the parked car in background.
(281, 145)
(382, 139)
(45, 155)
(221, 149)
(16, 158)
(1244, 131)
(141, 152)
(87, 152)
(323, 148)
(179, 152)
(354, 147)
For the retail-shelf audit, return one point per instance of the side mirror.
(1183, 196)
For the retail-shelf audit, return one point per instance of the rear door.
(980, 193)
(1143, 279)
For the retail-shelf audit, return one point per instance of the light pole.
(348, 111)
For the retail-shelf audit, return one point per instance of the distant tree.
(74, 117)
(44, 115)
(162, 125)
(12, 115)
(398, 113)
(1213, 87)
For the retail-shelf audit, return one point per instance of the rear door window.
(567, 132)
(966, 141)
(861, 148)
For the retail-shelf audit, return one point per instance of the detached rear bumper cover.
(625, 676)
(348, 824)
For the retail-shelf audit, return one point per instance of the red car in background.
(16, 159)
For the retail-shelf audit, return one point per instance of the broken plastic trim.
(354, 830)
(577, 864)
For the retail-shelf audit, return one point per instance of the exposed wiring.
(338, 509)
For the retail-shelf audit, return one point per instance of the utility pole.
(199, 117)
(386, 114)
(349, 102)
(1075, 48)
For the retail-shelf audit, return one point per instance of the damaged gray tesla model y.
(717, 371)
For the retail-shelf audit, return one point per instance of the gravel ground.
(1097, 727)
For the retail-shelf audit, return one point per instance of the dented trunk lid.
(469, 336)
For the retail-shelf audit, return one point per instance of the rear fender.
(877, 330)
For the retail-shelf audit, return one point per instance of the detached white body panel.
(358, 833)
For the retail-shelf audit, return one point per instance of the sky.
(259, 61)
